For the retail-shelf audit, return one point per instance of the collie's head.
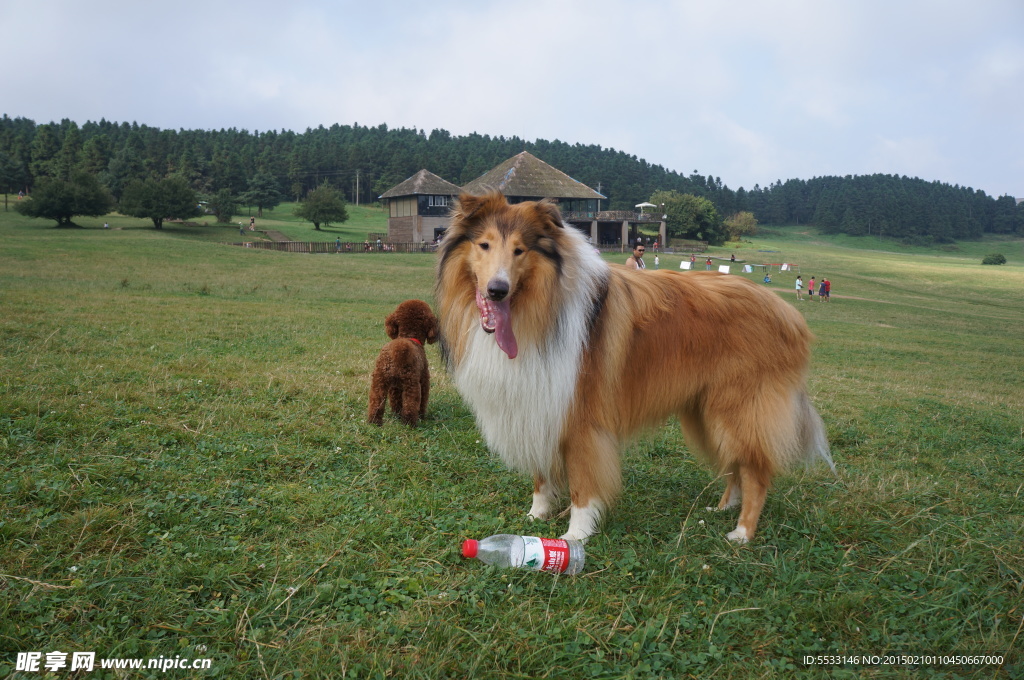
(499, 263)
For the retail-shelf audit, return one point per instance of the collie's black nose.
(497, 289)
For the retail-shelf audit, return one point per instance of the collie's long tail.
(815, 441)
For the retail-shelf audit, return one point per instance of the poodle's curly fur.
(402, 374)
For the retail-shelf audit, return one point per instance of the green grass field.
(186, 471)
(362, 220)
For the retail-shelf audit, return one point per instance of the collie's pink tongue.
(495, 317)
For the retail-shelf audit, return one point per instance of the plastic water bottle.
(543, 554)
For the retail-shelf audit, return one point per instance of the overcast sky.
(750, 91)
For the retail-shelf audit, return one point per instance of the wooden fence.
(609, 216)
(377, 245)
(676, 246)
(334, 247)
(679, 245)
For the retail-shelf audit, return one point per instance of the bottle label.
(546, 554)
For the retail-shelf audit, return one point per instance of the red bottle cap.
(469, 547)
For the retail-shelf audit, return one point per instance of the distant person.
(656, 261)
(810, 289)
(827, 286)
(821, 289)
(707, 265)
(252, 224)
(767, 279)
(799, 288)
(732, 258)
(337, 245)
(106, 225)
(636, 260)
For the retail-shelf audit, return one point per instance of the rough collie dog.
(562, 357)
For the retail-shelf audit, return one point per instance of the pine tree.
(263, 192)
(45, 147)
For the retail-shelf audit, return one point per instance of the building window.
(402, 207)
(438, 201)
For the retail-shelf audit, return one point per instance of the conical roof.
(527, 176)
(423, 182)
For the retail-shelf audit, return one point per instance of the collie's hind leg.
(697, 438)
(733, 490)
(754, 487)
(739, 444)
(595, 478)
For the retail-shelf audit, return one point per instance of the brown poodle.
(401, 373)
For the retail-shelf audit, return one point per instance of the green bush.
(994, 258)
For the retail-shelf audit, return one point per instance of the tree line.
(906, 208)
(362, 162)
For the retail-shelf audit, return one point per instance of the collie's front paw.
(542, 507)
(539, 513)
(738, 535)
(583, 521)
(732, 502)
(575, 536)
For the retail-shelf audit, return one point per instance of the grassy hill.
(186, 470)
(362, 220)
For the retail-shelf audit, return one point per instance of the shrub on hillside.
(994, 258)
(62, 199)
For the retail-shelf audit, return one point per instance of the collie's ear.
(391, 325)
(548, 214)
(467, 208)
(470, 208)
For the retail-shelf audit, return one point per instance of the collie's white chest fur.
(521, 404)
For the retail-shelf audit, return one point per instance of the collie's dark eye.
(485, 246)
(518, 251)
